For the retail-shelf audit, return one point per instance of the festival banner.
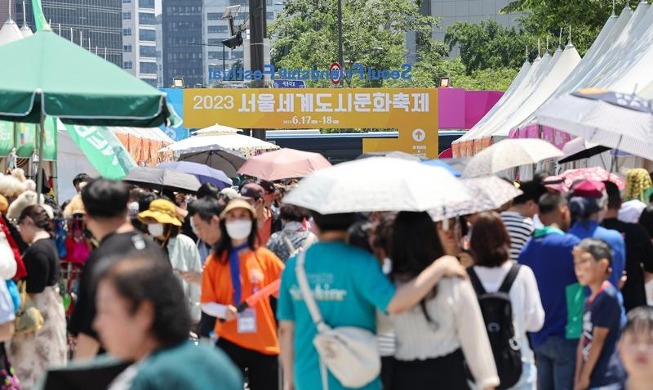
(412, 111)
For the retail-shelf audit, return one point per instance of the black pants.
(446, 372)
(261, 371)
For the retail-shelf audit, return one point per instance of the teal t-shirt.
(348, 285)
(190, 367)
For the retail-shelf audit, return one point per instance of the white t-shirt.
(524, 298)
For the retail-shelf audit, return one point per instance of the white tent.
(621, 54)
(70, 162)
(512, 89)
(543, 79)
(9, 32)
(565, 64)
(523, 89)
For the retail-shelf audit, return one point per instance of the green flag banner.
(22, 136)
(103, 150)
(39, 17)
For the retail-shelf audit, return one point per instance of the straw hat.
(238, 203)
(162, 211)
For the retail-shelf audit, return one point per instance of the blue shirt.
(592, 229)
(348, 285)
(549, 255)
(603, 311)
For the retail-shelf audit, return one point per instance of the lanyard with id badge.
(246, 321)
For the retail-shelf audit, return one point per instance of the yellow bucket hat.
(162, 211)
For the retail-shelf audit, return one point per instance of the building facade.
(95, 25)
(139, 39)
(182, 42)
(4, 10)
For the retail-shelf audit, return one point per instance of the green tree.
(374, 36)
(584, 17)
(489, 45)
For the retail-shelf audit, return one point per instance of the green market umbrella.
(46, 75)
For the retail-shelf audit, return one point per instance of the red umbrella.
(593, 173)
(283, 164)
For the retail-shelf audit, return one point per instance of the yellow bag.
(28, 319)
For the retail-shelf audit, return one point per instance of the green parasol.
(49, 76)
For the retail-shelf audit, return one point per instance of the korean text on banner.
(412, 111)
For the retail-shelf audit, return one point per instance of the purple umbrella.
(204, 173)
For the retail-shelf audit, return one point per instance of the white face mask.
(240, 229)
(155, 229)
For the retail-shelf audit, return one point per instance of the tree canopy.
(584, 17)
(374, 36)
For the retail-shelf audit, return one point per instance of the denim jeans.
(556, 363)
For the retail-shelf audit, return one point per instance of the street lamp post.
(341, 60)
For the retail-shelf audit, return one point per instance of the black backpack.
(497, 314)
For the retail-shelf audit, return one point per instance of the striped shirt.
(520, 229)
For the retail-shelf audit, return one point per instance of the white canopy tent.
(621, 59)
(10, 32)
(225, 138)
(544, 77)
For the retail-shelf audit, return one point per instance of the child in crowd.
(597, 362)
(636, 348)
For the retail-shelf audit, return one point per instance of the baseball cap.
(252, 190)
(589, 189)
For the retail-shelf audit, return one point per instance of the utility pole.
(257, 29)
(341, 59)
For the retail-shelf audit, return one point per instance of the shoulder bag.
(28, 318)
(348, 352)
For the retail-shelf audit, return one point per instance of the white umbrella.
(490, 193)
(619, 121)
(378, 184)
(510, 153)
(217, 129)
(247, 146)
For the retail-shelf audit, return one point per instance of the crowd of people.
(210, 290)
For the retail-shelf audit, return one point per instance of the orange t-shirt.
(257, 270)
(265, 229)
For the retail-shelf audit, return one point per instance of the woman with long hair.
(32, 353)
(238, 268)
(490, 245)
(445, 331)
